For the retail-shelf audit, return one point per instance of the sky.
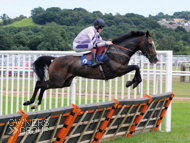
(14, 8)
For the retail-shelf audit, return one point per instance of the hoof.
(135, 85)
(129, 83)
(34, 106)
(27, 103)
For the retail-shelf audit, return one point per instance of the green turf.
(181, 89)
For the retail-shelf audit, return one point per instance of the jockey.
(89, 39)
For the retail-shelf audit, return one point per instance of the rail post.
(182, 67)
(168, 89)
(73, 91)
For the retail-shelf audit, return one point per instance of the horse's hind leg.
(34, 94)
(39, 85)
(42, 86)
(47, 85)
(34, 106)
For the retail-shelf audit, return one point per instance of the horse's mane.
(128, 35)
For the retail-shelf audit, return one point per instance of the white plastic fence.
(18, 81)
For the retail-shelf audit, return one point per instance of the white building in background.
(175, 23)
(186, 24)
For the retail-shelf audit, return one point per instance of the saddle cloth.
(86, 58)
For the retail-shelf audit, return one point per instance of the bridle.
(148, 53)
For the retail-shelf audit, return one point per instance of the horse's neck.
(132, 47)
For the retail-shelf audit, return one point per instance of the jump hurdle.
(86, 123)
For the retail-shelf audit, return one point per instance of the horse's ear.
(151, 34)
(147, 33)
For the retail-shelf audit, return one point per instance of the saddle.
(86, 58)
(100, 50)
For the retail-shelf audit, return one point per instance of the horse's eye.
(150, 44)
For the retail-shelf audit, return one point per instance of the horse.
(63, 69)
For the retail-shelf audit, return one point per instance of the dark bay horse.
(63, 69)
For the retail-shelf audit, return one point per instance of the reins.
(121, 47)
(118, 45)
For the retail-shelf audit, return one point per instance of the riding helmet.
(99, 22)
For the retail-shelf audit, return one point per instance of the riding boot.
(94, 62)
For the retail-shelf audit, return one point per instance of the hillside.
(23, 22)
(55, 29)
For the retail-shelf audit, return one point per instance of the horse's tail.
(40, 65)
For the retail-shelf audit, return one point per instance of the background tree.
(37, 11)
(6, 19)
(34, 43)
(167, 43)
(180, 29)
(54, 38)
(186, 37)
(20, 39)
(5, 43)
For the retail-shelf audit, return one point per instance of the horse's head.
(148, 48)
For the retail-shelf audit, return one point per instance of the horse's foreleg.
(137, 78)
